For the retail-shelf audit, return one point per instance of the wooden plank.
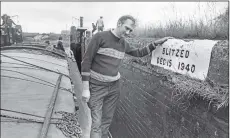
(46, 124)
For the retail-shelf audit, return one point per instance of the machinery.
(10, 34)
(77, 42)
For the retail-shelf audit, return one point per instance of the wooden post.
(46, 124)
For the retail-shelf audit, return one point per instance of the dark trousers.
(100, 28)
(94, 29)
(102, 103)
(76, 48)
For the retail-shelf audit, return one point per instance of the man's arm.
(12, 21)
(62, 47)
(3, 23)
(90, 53)
(103, 23)
(139, 52)
(96, 23)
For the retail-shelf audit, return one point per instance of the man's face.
(87, 34)
(126, 28)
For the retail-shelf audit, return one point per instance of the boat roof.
(28, 78)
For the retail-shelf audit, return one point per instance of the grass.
(185, 88)
(207, 28)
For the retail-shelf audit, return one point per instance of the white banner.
(191, 58)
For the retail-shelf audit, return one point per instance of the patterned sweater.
(104, 54)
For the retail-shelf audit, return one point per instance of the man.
(87, 40)
(94, 28)
(18, 33)
(4, 19)
(8, 27)
(100, 74)
(7, 21)
(49, 46)
(60, 44)
(10, 22)
(100, 24)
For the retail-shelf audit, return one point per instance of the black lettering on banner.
(166, 52)
(164, 60)
(170, 63)
(161, 61)
(187, 67)
(193, 68)
(181, 66)
(186, 54)
(163, 51)
(177, 52)
(170, 51)
(181, 53)
(173, 51)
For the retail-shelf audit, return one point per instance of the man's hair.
(122, 19)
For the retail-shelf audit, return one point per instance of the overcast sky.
(45, 17)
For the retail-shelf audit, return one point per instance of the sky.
(46, 17)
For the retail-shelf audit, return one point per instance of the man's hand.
(69, 53)
(162, 40)
(85, 95)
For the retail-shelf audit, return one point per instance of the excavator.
(11, 33)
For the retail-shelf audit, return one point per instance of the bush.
(216, 28)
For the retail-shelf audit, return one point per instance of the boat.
(37, 96)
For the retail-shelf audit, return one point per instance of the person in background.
(7, 21)
(4, 19)
(7, 24)
(60, 44)
(49, 46)
(94, 28)
(100, 76)
(100, 24)
(87, 39)
(10, 22)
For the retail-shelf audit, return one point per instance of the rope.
(25, 80)
(35, 65)
(35, 82)
(19, 67)
(21, 119)
(18, 64)
(20, 112)
(28, 75)
(34, 47)
(39, 60)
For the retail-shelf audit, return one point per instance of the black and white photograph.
(115, 69)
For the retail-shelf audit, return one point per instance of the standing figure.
(60, 44)
(100, 76)
(94, 28)
(100, 24)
